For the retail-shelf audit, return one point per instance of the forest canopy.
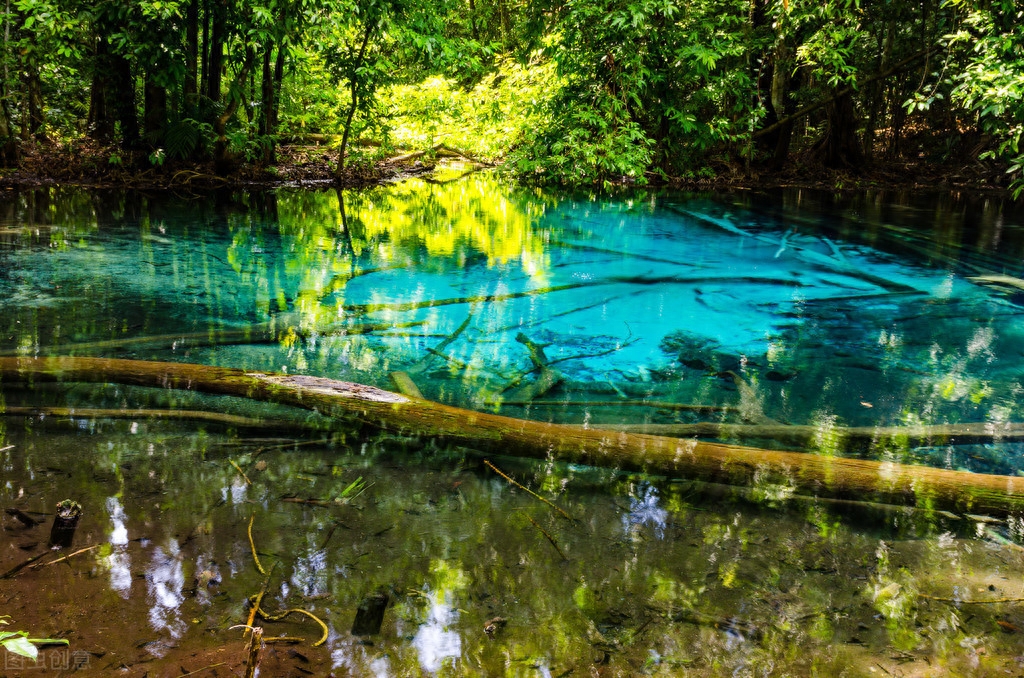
(573, 92)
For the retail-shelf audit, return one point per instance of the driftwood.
(787, 472)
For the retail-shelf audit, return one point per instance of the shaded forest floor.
(86, 163)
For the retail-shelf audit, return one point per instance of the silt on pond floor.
(479, 577)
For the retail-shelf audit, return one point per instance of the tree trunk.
(353, 103)
(220, 148)
(122, 94)
(8, 142)
(101, 119)
(267, 104)
(33, 127)
(155, 116)
(781, 64)
(840, 148)
(204, 57)
(824, 476)
(473, 32)
(216, 61)
(191, 86)
(876, 92)
(278, 79)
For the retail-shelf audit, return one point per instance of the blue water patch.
(760, 310)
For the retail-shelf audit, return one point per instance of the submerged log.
(852, 438)
(547, 378)
(405, 384)
(819, 475)
(370, 614)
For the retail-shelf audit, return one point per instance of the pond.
(881, 327)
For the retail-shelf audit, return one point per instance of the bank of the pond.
(87, 164)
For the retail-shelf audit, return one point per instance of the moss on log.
(781, 472)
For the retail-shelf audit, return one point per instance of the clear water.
(794, 308)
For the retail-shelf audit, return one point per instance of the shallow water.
(794, 308)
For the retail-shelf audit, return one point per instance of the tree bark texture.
(796, 472)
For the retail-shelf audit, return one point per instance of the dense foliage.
(573, 91)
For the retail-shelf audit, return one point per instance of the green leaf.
(21, 645)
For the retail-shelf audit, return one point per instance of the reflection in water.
(119, 561)
(660, 577)
(310, 576)
(436, 640)
(644, 510)
(165, 584)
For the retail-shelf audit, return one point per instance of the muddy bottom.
(399, 558)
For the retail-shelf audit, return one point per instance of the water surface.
(651, 309)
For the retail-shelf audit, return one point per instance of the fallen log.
(222, 418)
(788, 472)
(852, 438)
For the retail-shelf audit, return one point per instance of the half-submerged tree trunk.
(787, 472)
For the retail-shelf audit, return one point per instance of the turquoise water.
(796, 309)
(760, 310)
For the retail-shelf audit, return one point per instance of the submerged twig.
(525, 489)
(961, 601)
(433, 303)
(18, 568)
(441, 346)
(294, 610)
(205, 668)
(455, 362)
(252, 544)
(247, 482)
(258, 598)
(549, 537)
(67, 557)
(599, 354)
